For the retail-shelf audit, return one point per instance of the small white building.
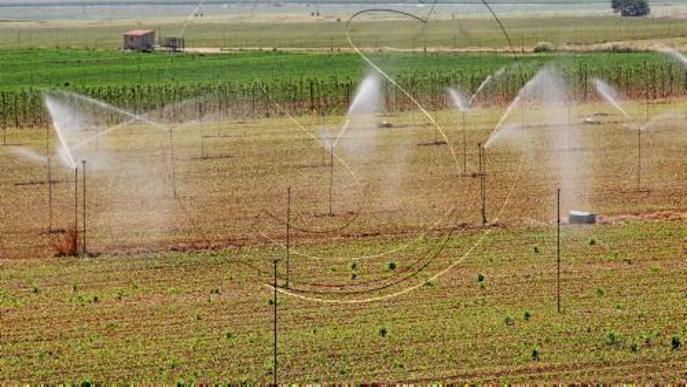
(139, 40)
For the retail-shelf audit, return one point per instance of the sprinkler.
(464, 106)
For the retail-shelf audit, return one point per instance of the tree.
(631, 7)
(615, 4)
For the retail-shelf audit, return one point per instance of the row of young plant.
(332, 95)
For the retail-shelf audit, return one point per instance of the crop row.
(176, 102)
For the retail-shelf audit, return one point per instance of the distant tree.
(631, 7)
(615, 4)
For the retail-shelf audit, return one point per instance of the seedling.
(526, 316)
(383, 331)
(675, 343)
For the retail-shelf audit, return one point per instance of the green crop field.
(301, 81)
(65, 68)
(207, 317)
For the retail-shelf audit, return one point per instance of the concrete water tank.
(581, 217)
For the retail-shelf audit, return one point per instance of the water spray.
(481, 87)
(464, 106)
(607, 92)
(133, 117)
(506, 114)
(453, 264)
(66, 151)
(680, 58)
(390, 79)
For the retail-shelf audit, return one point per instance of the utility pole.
(49, 194)
(331, 178)
(76, 205)
(465, 146)
(639, 159)
(482, 184)
(288, 234)
(83, 239)
(275, 261)
(558, 250)
(49, 166)
(174, 178)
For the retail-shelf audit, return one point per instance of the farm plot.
(207, 316)
(227, 181)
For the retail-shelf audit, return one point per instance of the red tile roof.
(138, 32)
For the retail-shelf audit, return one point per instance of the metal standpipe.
(83, 238)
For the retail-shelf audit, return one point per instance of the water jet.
(462, 105)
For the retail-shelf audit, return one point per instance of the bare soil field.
(231, 179)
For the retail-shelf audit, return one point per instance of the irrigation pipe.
(420, 284)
